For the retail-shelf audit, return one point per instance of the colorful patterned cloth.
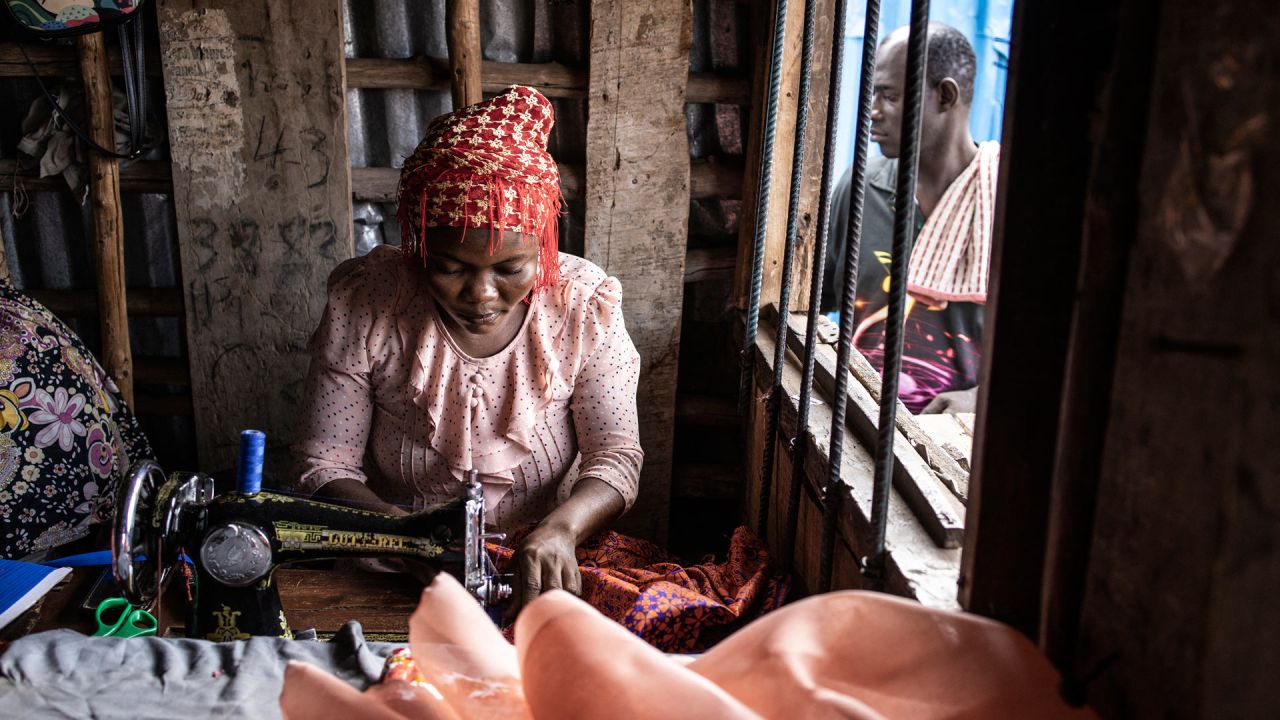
(643, 588)
(486, 166)
(67, 16)
(66, 437)
(674, 608)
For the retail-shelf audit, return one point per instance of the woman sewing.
(476, 344)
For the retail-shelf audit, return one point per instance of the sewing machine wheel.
(135, 545)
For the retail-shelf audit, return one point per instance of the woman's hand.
(547, 559)
(544, 561)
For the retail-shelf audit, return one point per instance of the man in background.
(955, 195)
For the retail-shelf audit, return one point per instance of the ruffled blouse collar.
(482, 411)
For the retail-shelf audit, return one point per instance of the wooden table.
(325, 599)
(319, 599)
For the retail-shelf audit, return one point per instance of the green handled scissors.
(117, 617)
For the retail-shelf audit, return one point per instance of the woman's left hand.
(544, 561)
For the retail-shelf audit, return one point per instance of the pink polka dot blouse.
(392, 401)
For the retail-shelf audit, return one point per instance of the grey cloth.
(49, 144)
(63, 674)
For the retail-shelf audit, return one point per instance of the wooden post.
(262, 193)
(462, 33)
(108, 224)
(783, 153)
(637, 210)
(1179, 617)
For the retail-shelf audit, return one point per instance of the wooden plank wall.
(918, 568)
(1024, 353)
(257, 128)
(1179, 616)
(784, 152)
(638, 163)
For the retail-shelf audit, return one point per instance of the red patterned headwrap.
(486, 165)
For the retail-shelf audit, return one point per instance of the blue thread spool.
(253, 444)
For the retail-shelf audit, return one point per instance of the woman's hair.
(486, 166)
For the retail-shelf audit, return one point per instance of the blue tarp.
(985, 22)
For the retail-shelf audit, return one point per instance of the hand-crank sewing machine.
(236, 540)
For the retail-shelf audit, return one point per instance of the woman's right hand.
(546, 560)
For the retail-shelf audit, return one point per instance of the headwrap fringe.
(540, 220)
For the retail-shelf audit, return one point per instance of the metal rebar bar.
(853, 242)
(800, 442)
(774, 405)
(903, 236)
(762, 203)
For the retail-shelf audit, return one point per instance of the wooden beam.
(551, 79)
(951, 433)
(427, 73)
(139, 301)
(1184, 565)
(718, 88)
(942, 462)
(934, 504)
(637, 200)
(58, 62)
(415, 73)
(718, 179)
(781, 161)
(262, 192)
(1112, 222)
(917, 567)
(462, 34)
(137, 176)
(1014, 449)
(108, 221)
(938, 459)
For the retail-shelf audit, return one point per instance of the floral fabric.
(66, 437)
(60, 16)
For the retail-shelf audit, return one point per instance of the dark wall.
(1129, 501)
(1185, 563)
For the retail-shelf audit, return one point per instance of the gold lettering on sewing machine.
(228, 629)
(301, 536)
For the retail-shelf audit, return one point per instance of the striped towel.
(952, 254)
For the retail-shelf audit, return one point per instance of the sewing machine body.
(237, 540)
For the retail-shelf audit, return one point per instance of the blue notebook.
(22, 584)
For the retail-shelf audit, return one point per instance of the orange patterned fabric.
(672, 607)
(401, 667)
(486, 166)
